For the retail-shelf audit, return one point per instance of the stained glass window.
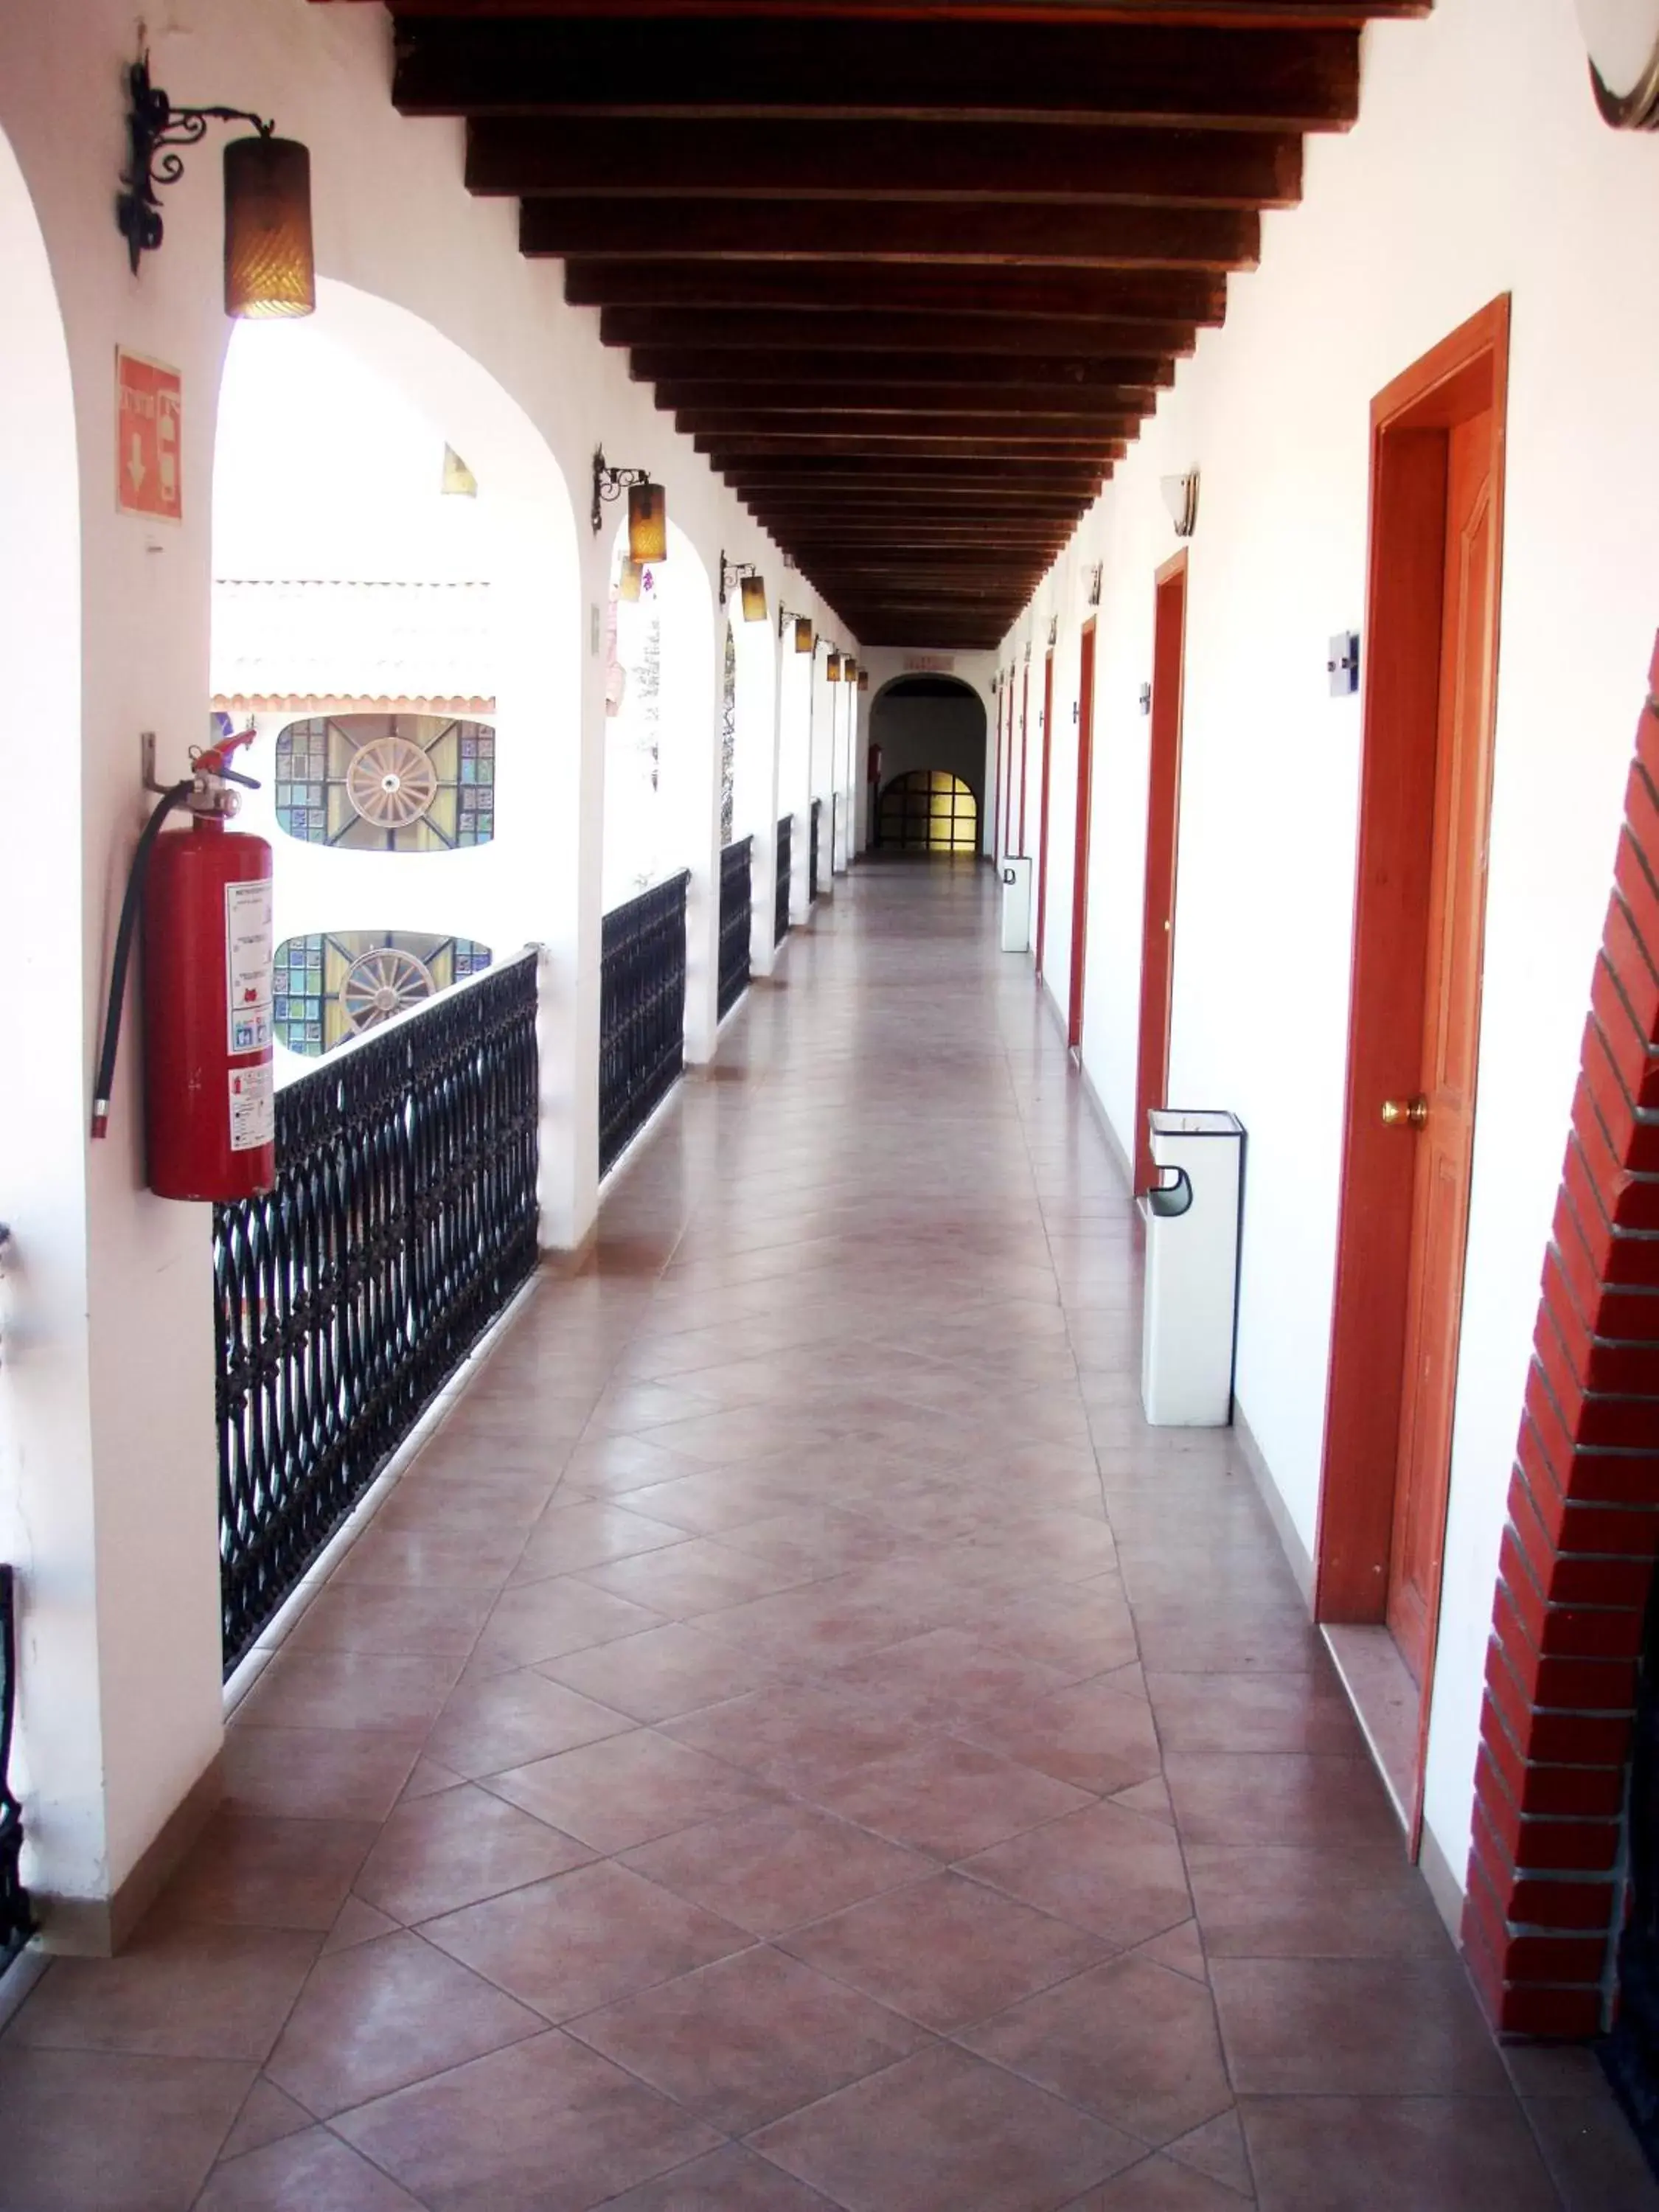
(335, 984)
(387, 783)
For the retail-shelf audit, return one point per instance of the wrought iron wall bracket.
(156, 131)
(610, 483)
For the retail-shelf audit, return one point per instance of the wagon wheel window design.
(334, 985)
(387, 783)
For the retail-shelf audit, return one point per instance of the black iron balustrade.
(812, 852)
(642, 1013)
(736, 900)
(16, 1914)
(403, 1220)
(780, 908)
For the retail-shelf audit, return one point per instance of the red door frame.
(1025, 747)
(1042, 803)
(1162, 841)
(1085, 748)
(1466, 374)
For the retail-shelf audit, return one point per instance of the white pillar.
(758, 749)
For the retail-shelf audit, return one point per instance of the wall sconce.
(1180, 497)
(1053, 632)
(804, 640)
(629, 580)
(269, 270)
(849, 671)
(832, 666)
(1093, 574)
(647, 507)
(864, 679)
(1623, 44)
(752, 587)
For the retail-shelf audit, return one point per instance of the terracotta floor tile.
(1278, 1798)
(423, 1559)
(612, 1465)
(730, 2180)
(1090, 1735)
(778, 1868)
(386, 2013)
(1376, 2027)
(940, 2132)
(542, 1619)
(549, 2126)
(700, 1575)
(1592, 2153)
(817, 1542)
(947, 1797)
(443, 1852)
(349, 1689)
(366, 1617)
(1253, 1713)
(796, 1734)
(249, 1870)
(1255, 1901)
(1128, 2041)
(1160, 2184)
(106, 2131)
(948, 1678)
(178, 1991)
(662, 1674)
(323, 1774)
(584, 1939)
(1217, 2150)
(749, 2039)
(946, 1952)
(1440, 2153)
(572, 1536)
(500, 1721)
(310, 2172)
(268, 2114)
(1078, 1631)
(628, 1790)
(1115, 1873)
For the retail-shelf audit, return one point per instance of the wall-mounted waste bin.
(1017, 904)
(1192, 1217)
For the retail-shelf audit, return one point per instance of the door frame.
(1024, 748)
(1464, 375)
(1162, 848)
(1042, 803)
(1086, 777)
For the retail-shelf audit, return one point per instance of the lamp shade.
(850, 670)
(753, 592)
(269, 270)
(647, 522)
(805, 640)
(628, 581)
(833, 669)
(864, 679)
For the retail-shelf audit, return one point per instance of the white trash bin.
(1192, 1218)
(1017, 904)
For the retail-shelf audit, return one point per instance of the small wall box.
(1192, 1223)
(1342, 665)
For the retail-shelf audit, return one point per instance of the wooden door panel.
(1451, 1017)
(1163, 830)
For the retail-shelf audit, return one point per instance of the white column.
(759, 751)
(690, 783)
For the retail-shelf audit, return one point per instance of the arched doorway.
(928, 810)
(923, 726)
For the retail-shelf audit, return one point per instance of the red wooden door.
(1162, 832)
(1085, 745)
(1440, 1120)
(1024, 748)
(1042, 805)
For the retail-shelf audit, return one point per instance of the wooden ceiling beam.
(706, 333)
(1135, 75)
(749, 158)
(1211, 14)
(770, 369)
(881, 407)
(1020, 234)
(1184, 296)
(990, 473)
(915, 444)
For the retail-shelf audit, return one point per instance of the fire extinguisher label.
(247, 965)
(253, 1108)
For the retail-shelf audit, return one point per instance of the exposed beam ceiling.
(910, 276)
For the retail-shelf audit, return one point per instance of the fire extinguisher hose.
(131, 902)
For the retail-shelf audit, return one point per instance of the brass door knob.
(1406, 1113)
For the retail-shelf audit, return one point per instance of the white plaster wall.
(1479, 166)
(139, 1596)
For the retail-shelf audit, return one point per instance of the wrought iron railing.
(16, 1914)
(642, 1013)
(812, 852)
(404, 1218)
(736, 898)
(780, 907)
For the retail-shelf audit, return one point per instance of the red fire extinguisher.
(204, 893)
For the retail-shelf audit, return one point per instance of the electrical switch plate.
(1146, 698)
(1343, 665)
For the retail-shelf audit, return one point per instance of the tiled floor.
(795, 1739)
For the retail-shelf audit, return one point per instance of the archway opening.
(923, 727)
